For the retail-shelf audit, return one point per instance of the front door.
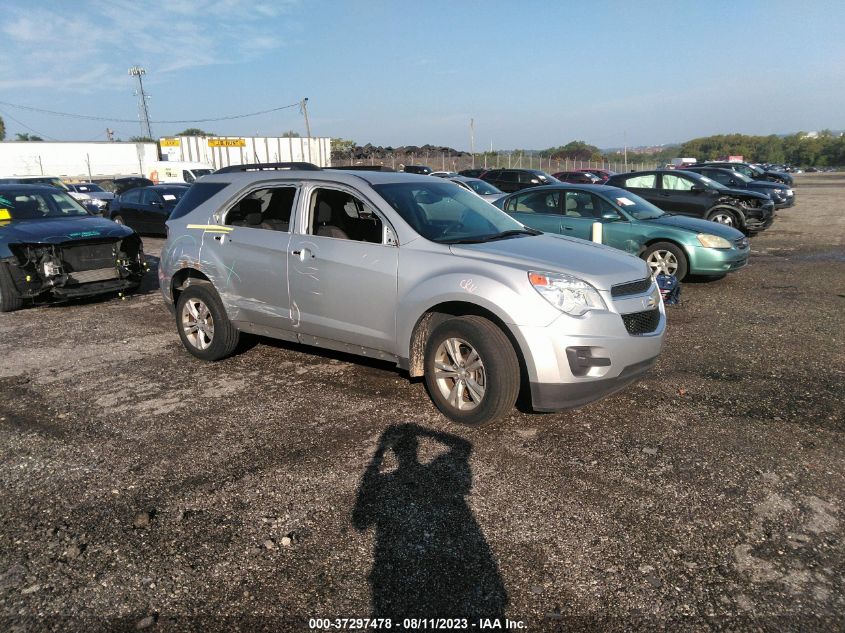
(343, 270)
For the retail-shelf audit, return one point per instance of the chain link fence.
(445, 162)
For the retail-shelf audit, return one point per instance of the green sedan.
(672, 244)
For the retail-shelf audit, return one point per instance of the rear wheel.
(203, 326)
(666, 258)
(471, 370)
(10, 298)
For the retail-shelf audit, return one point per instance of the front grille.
(87, 276)
(88, 257)
(631, 288)
(642, 322)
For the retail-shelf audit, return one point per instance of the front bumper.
(550, 397)
(716, 261)
(614, 358)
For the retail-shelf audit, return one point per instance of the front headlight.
(712, 241)
(568, 294)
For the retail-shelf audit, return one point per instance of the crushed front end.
(77, 268)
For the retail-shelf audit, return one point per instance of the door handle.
(219, 238)
(303, 254)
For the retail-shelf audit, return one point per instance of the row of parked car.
(482, 300)
(664, 216)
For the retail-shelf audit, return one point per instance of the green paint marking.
(84, 234)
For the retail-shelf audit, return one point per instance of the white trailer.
(75, 161)
(222, 151)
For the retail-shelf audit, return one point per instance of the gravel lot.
(144, 489)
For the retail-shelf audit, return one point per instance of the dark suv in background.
(752, 171)
(687, 193)
(782, 195)
(515, 179)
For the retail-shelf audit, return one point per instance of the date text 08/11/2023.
(413, 624)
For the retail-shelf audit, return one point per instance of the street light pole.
(143, 112)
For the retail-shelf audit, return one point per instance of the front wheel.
(471, 370)
(724, 216)
(666, 258)
(204, 328)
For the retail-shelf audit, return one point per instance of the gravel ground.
(144, 489)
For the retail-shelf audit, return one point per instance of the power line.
(116, 120)
(22, 124)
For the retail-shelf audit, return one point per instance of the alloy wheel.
(663, 262)
(723, 218)
(197, 323)
(460, 374)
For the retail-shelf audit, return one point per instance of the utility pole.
(625, 137)
(143, 112)
(472, 140)
(303, 108)
(109, 134)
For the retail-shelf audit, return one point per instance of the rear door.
(343, 269)
(130, 209)
(252, 256)
(152, 212)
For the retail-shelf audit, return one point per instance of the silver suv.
(414, 270)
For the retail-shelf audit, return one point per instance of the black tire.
(222, 340)
(727, 216)
(498, 373)
(10, 298)
(666, 251)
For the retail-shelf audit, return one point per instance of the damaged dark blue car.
(52, 248)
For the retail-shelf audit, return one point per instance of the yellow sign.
(226, 142)
(5, 215)
(169, 142)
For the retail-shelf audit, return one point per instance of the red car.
(603, 174)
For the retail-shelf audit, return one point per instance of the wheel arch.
(438, 313)
(183, 278)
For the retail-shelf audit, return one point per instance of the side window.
(268, 209)
(527, 177)
(64, 203)
(579, 204)
(494, 174)
(672, 182)
(150, 197)
(718, 176)
(539, 202)
(132, 197)
(341, 215)
(602, 207)
(646, 181)
(508, 176)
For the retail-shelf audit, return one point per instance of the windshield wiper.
(496, 236)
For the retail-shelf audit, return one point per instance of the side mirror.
(610, 216)
(697, 188)
(732, 182)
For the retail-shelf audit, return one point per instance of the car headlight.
(712, 241)
(568, 294)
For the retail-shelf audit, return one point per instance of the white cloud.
(98, 41)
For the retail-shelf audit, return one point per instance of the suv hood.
(599, 265)
(767, 185)
(59, 230)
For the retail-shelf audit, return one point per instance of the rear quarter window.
(647, 181)
(196, 195)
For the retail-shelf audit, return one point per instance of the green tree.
(194, 131)
(27, 137)
(2, 129)
(341, 146)
(290, 134)
(141, 139)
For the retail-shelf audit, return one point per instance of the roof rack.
(267, 167)
(362, 168)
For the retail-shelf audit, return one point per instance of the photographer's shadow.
(431, 559)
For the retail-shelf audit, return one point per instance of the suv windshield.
(445, 213)
(40, 205)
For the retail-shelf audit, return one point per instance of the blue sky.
(532, 74)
